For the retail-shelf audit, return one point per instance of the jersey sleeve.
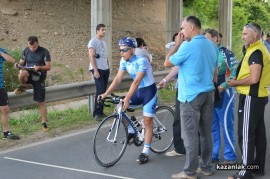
(256, 58)
(4, 51)
(24, 54)
(91, 44)
(232, 65)
(47, 56)
(142, 65)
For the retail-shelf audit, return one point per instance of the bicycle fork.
(115, 126)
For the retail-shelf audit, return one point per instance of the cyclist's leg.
(134, 100)
(149, 111)
(148, 124)
(148, 95)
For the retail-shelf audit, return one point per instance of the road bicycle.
(111, 136)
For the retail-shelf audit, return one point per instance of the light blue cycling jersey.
(138, 64)
(146, 95)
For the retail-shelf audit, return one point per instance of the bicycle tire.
(108, 153)
(162, 133)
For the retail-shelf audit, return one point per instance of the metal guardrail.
(69, 91)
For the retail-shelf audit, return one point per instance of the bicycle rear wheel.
(162, 129)
(110, 141)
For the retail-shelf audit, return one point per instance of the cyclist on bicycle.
(143, 89)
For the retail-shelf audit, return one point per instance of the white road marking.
(66, 168)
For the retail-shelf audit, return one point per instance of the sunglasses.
(254, 27)
(124, 50)
(251, 26)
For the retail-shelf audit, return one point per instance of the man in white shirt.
(99, 67)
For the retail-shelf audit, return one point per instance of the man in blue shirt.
(197, 60)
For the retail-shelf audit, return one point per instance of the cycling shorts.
(147, 97)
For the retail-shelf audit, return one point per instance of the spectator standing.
(197, 60)
(99, 67)
(267, 41)
(170, 45)
(252, 83)
(179, 148)
(142, 49)
(38, 58)
(4, 109)
(220, 40)
(223, 114)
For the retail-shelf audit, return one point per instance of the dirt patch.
(63, 27)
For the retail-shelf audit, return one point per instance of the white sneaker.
(172, 153)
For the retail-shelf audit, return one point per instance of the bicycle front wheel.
(162, 129)
(110, 141)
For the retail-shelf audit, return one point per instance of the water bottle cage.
(136, 124)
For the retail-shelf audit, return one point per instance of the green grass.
(61, 122)
(167, 95)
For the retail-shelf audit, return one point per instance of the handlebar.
(114, 99)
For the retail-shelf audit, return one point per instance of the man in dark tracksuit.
(252, 83)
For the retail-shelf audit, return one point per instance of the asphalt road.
(70, 157)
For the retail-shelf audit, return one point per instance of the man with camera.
(99, 67)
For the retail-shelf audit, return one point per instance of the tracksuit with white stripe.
(252, 102)
(223, 114)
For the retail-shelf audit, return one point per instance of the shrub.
(10, 73)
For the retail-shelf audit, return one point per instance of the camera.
(97, 55)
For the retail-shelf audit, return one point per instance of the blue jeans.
(196, 116)
(101, 86)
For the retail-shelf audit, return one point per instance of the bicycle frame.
(112, 135)
(117, 121)
(156, 122)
